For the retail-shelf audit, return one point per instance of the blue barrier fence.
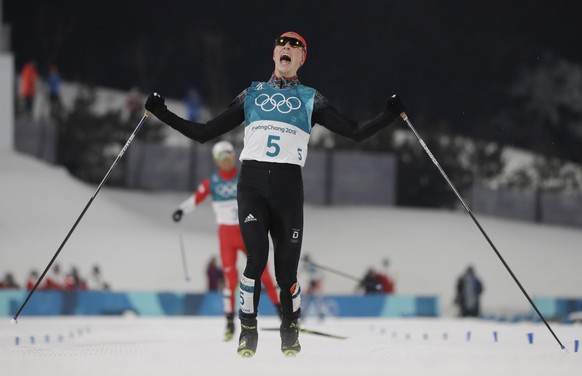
(56, 303)
(557, 309)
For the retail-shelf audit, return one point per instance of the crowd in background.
(33, 81)
(28, 88)
(378, 280)
(56, 280)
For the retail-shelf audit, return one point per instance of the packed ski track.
(185, 346)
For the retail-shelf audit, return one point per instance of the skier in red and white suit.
(222, 186)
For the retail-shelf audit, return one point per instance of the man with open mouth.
(278, 116)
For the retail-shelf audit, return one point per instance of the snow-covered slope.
(131, 236)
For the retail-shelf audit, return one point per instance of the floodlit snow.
(131, 236)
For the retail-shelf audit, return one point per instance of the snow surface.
(193, 346)
(130, 234)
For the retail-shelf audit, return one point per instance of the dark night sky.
(451, 60)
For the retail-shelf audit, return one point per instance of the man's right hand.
(177, 216)
(155, 104)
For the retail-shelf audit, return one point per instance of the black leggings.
(270, 200)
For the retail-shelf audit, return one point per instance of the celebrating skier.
(221, 186)
(278, 116)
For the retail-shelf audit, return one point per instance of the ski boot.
(229, 331)
(249, 337)
(290, 345)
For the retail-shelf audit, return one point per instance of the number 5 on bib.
(272, 144)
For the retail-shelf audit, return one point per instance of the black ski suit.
(270, 186)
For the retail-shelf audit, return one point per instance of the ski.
(309, 331)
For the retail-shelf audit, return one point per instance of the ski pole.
(345, 275)
(137, 128)
(407, 120)
(183, 252)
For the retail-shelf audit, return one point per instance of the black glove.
(395, 105)
(177, 216)
(155, 104)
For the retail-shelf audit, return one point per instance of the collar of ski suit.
(228, 175)
(283, 82)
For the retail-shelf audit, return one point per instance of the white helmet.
(222, 150)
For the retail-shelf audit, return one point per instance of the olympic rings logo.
(277, 101)
(226, 190)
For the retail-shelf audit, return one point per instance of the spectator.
(468, 293)
(214, 274)
(96, 281)
(370, 284)
(9, 282)
(55, 280)
(28, 77)
(385, 278)
(54, 91)
(134, 103)
(74, 280)
(32, 279)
